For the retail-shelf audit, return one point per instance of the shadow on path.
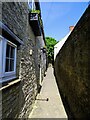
(48, 103)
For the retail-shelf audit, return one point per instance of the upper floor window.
(7, 59)
(31, 4)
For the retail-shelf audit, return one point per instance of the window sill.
(6, 78)
(10, 84)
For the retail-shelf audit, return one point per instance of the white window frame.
(31, 4)
(6, 76)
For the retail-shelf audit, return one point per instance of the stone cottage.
(22, 57)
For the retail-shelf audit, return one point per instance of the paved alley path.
(53, 108)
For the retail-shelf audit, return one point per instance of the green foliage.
(41, 23)
(35, 11)
(50, 43)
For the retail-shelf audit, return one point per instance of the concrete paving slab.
(51, 107)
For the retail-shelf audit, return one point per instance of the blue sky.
(58, 16)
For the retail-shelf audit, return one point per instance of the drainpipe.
(40, 75)
(40, 69)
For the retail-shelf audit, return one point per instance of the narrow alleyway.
(53, 107)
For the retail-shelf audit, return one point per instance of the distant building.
(59, 45)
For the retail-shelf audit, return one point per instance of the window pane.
(10, 57)
(7, 65)
(8, 51)
(30, 5)
(12, 52)
(11, 65)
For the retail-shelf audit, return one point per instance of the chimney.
(71, 28)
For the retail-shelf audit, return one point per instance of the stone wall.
(18, 99)
(11, 101)
(41, 56)
(72, 70)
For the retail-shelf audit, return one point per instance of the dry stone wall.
(72, 70)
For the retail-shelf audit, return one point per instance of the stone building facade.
(22, 59)
(72, 70)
